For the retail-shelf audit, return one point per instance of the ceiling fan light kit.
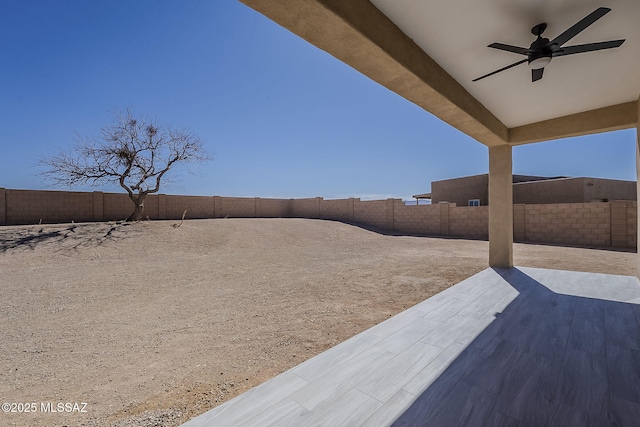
(542, 50)
(541, 62)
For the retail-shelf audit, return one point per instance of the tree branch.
(127, 152)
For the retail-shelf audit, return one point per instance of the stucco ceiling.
(455, 33)
(429, 52)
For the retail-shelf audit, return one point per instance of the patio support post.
(500, 207)
(638, 189)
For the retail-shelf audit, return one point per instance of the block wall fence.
(611, 224)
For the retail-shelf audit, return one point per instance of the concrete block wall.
(519, 224)
(117, 207)
(32, 207)
(235, 207)
(374, 213)
(569, 223)
(196, 207)
(470, 222)
(3, 206)
(151, 207)
(418, 219)
(602, 224)
(98, 206)
(306, 208)
(445, 224)
(632, 224)
(341, 210)
(162, 206)
(273, 208)
(623, 223)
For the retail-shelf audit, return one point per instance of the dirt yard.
(151, 324)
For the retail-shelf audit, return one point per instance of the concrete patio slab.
(517, 346)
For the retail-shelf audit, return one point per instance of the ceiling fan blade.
(580, 26)
(536, 74)
(589, 47)
(501, 69)
(509, 48)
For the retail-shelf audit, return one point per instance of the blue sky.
(281, 117)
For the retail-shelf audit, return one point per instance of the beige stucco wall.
(500, 207)
(563, 190)
(573, 190)
(461, 190)
(596, 189)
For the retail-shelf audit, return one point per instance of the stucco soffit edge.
(361, 36)
(614, 117)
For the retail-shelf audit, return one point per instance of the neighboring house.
(474, 190)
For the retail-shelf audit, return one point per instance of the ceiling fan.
(542, 50)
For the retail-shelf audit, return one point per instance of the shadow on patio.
(547, 359)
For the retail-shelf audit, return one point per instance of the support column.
(638, 187)
(500, 207)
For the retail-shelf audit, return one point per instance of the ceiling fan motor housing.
(540, 53)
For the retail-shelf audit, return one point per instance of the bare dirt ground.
(150, 324)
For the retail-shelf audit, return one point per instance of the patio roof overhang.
(429, 52)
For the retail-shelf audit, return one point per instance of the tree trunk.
(138, 201)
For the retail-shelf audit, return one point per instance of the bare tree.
(135, 153)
